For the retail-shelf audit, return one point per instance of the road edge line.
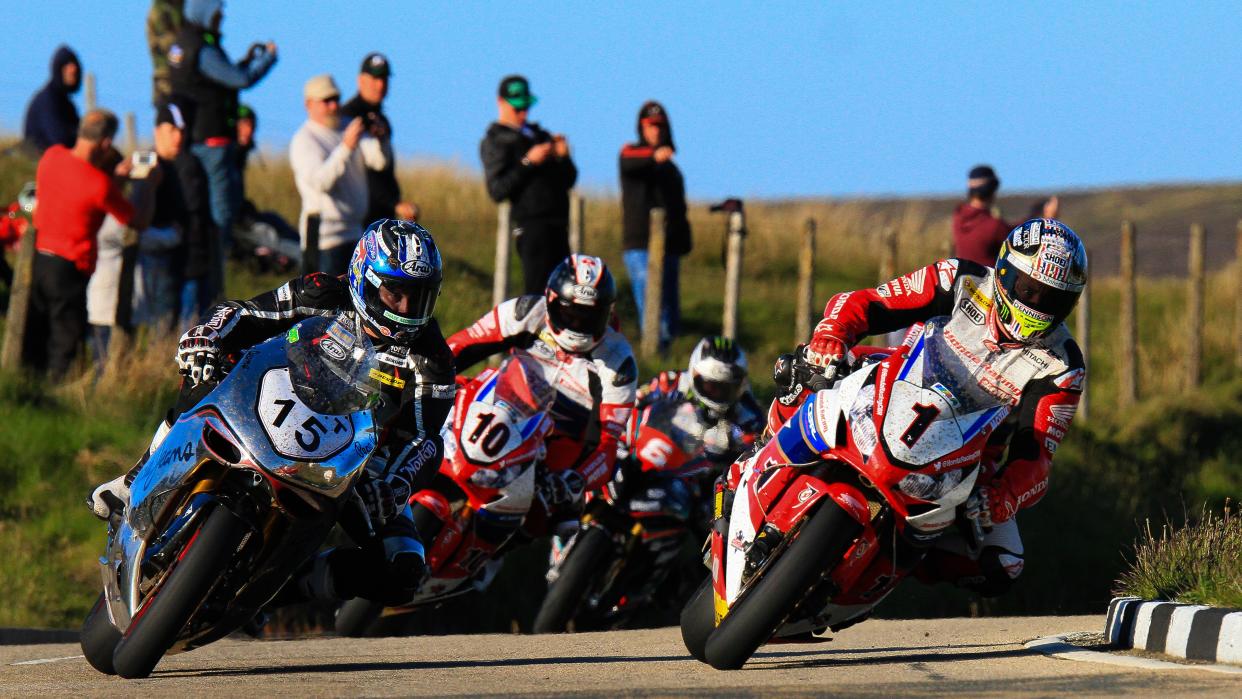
(1057, 647)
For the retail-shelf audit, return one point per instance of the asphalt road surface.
(875, 658)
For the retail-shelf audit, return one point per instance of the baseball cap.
(515, 90)
(320, 87)
(245, 111)
(170, 113)
(376, 65)
(653, 112)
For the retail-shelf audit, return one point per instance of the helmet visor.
(721, 392)
(589, 320)
(1027, 307)
(405, 303)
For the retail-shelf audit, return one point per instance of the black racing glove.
(560, 489)
(384, 498)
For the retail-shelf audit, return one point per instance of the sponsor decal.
(883, 291)
(1064, 413)
(881, 391)
(370, 247)
(1030, 494)
(946, 272)
(220, 318)
(373, 278)
(425, 452)
(387, 379)
(1071, 380)
(417, 268)
(443, 391)
(915, 281)
(958, 460)
(1035, 358)
(292, 335)
(838, 304)
(947, 395)
(587, 269)
(807, 493)
(791, 397)
(972, 312)
(176, 455)
(584, 293)
(332, 348)
(338, 332)
(1056, 432)
(284, 294)
(738, 541)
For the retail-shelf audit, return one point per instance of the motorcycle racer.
(389, 292)
(1006, 328)
(568, 332)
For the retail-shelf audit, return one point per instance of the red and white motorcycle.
(867, 472)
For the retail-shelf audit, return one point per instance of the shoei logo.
(416, 268)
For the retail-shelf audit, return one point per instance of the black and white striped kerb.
(1191, 631)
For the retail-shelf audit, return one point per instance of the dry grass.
(1198, 563)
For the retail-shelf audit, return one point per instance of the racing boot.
(111, 498)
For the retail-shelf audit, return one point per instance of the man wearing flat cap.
(329, 167)
(384, 194)
(532, 169)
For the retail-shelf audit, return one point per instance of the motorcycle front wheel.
(205, 556)
(99, 638)
(698, 621)
(583, 562)
(355, 617)
(816, 548)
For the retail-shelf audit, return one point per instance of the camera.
(143, 162)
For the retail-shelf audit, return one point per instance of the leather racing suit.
(594, 390)
(410, 446)
(1043, 380)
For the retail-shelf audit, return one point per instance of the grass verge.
(1197, 563)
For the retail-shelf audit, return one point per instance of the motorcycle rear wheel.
(583, 562)
(198, 567)
(817, 547)
(99, 637)
(698, 621)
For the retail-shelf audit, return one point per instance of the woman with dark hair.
(650, 179)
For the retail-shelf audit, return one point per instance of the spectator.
(650, 179)
(74, 196)
(198, 237)
(247, 122)
(329, 167)
(52, 118)
(203, 75)
(163, 22)
(384, 194)
(978, 229)
(1045, 208)
(268, 239)
(532, 169)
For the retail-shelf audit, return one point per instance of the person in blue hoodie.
(205, 78)
(52, 117)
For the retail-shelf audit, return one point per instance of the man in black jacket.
(650, 179)
(532, 169)
(383, 192)
(52, 117)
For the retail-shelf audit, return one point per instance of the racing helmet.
(1040, 273)
(717, 373)
(580, 296)
(395, 260)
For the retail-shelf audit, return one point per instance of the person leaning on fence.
(650, 179)
(74, 196)
(534, 171)
(329, 167)
(52, 117)
(203, 75)
(163, 22)
(383, 191)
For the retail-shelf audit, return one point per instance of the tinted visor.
(404, 302)
(589, 320)
(1037, 296)
(726, 392)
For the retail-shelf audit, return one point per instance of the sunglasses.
(329, 100)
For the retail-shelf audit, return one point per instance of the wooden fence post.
(89, 89)
(19, 302)
(1083, 336)
(131, 132)
(504, 239)
(806, 283)
(1194, 353)
(733, 273)
(888, 254)
(1128, 361)
(577, 219)
(1237, 295)
(653, 294)
(310, 247)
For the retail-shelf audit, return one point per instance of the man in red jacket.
(74, 195)
(978, 230)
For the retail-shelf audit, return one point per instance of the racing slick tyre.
(584, 561)
(355, 617)
(814, 551)
(698, 621)
(197, 568)
(99, 638)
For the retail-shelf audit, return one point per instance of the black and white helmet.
(717, 373)
(580, 296)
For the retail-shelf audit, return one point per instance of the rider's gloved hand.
(979, 508)
(384, 497)
(826, 347)
(198, 354)
(560, 488)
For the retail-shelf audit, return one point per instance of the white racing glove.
(198, 354)
(560, 488)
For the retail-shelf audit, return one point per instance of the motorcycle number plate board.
(296, 431)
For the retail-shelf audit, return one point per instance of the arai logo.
(416, 268)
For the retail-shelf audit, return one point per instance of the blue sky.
(766, 99)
